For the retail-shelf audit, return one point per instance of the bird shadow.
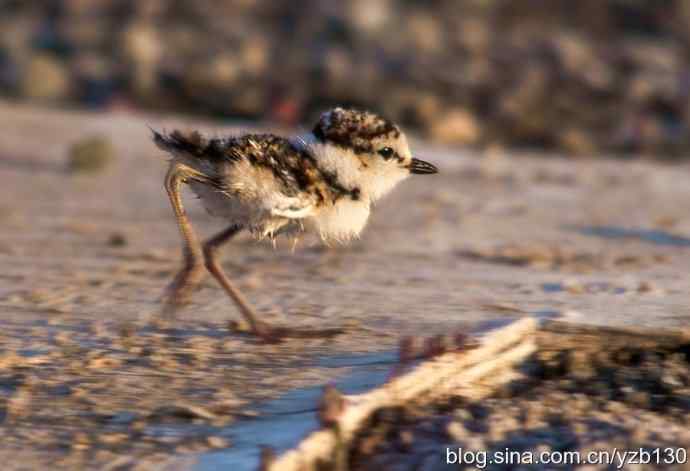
(278, 334)
(272, 334)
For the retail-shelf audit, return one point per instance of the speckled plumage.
(292, 166)
(354, 129)
(267, 182)
(325, 180)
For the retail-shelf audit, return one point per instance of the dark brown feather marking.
(353, 129)
(295, 168)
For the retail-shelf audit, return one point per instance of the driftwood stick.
(485, 378)
(449, 374)
(659, 336)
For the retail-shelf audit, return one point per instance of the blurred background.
(582, 78)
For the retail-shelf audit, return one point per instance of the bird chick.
(325, 181)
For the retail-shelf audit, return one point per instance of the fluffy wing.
(291, 207)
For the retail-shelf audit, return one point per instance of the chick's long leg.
(192, 272)
(265, 331)
(211, 260)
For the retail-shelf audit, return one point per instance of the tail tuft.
(193, 144)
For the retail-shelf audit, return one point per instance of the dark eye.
(386, 152)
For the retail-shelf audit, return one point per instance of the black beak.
(421, 167)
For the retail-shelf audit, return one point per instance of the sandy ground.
(85, 257)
